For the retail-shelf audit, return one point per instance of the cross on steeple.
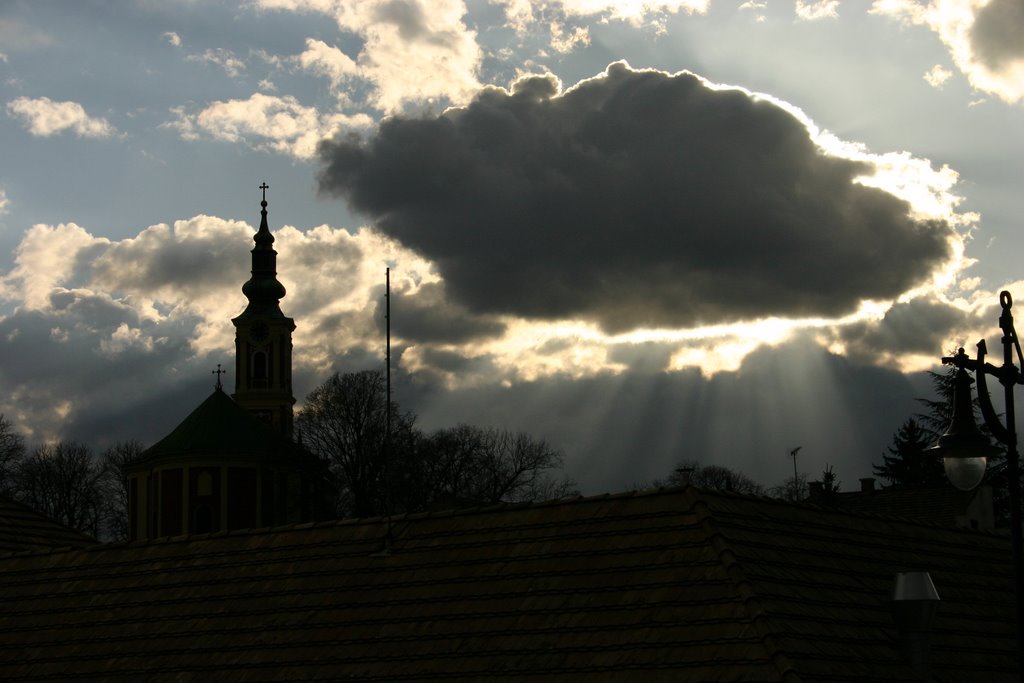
(218, 372)
(264, 187)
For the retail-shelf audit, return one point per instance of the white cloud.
(5, 203)
(45, 260)
(125, 338)
(566, 41)
(43, 117)
(937, 76)
(413, 52)
(326, 60)
(225, 59)
(813, 10)
(266, 122)
(172, 38)
(983, 38)
(634, 11)
(520, 13)
(758, 7)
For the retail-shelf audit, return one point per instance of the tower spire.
(263, 337)
(263, 289)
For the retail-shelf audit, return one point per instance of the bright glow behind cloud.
(413, 52)
(817, 9)
(984, 38)
(266, 122)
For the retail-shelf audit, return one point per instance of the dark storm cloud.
(197, 256)
(88, 354)
(997, 34)
(922, 326)
(635, 199)
(429, 316)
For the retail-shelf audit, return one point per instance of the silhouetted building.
(676, 585)
(945, 505)
(232, 464)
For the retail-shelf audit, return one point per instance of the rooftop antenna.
(796, 478)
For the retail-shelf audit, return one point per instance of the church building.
(232, 463)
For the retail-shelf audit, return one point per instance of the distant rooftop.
(22, 528)
(680, 585)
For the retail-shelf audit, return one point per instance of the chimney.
(914, 602)
(867, 484)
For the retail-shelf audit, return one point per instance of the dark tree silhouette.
(468, 464)
(115, 487)
(65, 482)
(792, 488)
(829, 482)
(939, 410)
(714, 477)
(344, 422)
(12, 452)
(907, 465)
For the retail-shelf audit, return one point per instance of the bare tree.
(345, 423)
(12, 451)
(378, 470)
(793, 488)
(488, 465)
(115, 487)
(714, 477)
(64, 482)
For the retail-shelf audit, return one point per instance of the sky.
(647, 232)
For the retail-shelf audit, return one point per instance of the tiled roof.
(678, 585)
(22, 528)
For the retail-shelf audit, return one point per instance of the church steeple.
(263, 342)
(263, 289)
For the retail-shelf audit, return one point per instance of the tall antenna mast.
(796, 477)
(387, 353)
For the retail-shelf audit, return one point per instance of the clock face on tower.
(259, 332)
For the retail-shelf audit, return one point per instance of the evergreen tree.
(908, 465)
(829, 481)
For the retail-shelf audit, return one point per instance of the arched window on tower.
(202, 519)
(260, 368)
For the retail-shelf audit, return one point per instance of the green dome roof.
(221, 427)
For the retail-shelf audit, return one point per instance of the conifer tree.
(907, 465)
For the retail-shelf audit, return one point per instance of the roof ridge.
(397, 518)
(759, 618)
(837, 510)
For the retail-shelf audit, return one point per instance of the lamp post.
(965, 450)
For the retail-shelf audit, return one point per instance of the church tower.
(263, 339)
(232, 464)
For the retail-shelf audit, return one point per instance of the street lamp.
(965, 450)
